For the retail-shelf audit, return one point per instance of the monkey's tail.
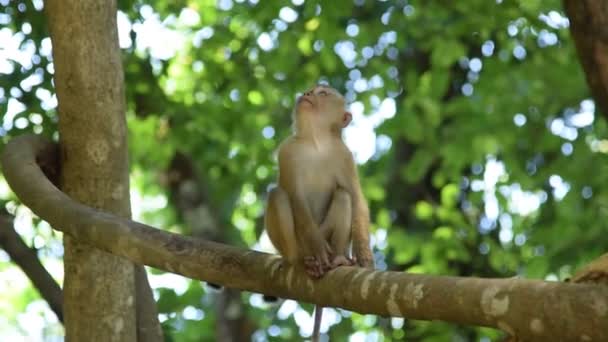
(316, 330)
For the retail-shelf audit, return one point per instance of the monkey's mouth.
(302, 99)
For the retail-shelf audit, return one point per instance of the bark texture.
(99, 289)
(529, 309)
(589, 29)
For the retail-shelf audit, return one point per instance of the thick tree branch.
(589, 29)
(529, 309)
(27, 260)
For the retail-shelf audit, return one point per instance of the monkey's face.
(324, 106)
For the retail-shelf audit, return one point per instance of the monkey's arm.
(360, 217)
(309, 238)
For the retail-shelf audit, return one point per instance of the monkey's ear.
(346, 119)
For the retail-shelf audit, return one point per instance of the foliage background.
(480, 148)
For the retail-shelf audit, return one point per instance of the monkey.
(317, 208)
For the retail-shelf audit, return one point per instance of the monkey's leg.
(279, 224)
(337, 227)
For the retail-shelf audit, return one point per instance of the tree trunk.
(589, 29)
(99, 288)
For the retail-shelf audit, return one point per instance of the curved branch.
(27, 260)
(529, 309)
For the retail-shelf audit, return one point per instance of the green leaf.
(449, 195)
(424, 210)
(413, 128)
(445, 53)
(418, 165)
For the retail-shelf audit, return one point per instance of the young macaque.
(318, 206)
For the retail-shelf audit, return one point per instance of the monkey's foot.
(313, 267)
(367, 263)
(341, 260)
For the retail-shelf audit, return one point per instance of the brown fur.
(318, 206)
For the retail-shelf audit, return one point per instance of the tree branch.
(529, 309)
(594, 272)
(189, 193)
(27, 260)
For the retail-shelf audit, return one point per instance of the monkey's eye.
(323, 93)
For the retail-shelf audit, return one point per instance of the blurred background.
(479, 146)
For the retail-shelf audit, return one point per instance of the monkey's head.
(322, 108)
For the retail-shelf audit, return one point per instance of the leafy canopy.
(479, 146)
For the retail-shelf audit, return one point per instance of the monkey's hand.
(317, 262)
